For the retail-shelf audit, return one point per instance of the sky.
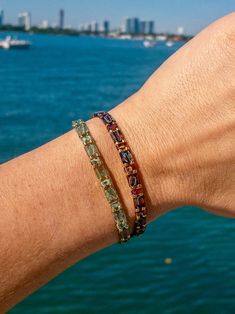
(193, 15)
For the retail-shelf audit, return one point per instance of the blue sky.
(168, 14)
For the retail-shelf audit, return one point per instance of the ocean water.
(41, 91)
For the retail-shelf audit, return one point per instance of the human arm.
(180, 126)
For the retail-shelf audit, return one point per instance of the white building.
(24, 20)
(45, 24)
(180, 30)
(88, 27)
(81, 27)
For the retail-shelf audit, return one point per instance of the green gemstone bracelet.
(103, 175)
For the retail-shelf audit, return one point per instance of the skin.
(181, 128)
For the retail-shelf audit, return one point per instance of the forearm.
(53, 211)
(180, 127)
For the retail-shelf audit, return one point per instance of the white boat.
(10, 43)
(149, 43)
(169, 43)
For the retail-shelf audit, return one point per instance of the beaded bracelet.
(130, 168)
(105, 180)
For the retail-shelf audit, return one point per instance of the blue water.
(41, 91)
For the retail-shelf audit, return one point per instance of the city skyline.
(167, 15)
(131, 26)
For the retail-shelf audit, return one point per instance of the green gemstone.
(96, 162)
(119, 215)
(121, 219)
(105, 183)
(116, 206)
(111, 194)
(123, 225)
(91, 150)
(101, 173)
(81, 128)
(76, 123)
(87, 139)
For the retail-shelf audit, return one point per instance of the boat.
(149, 43)
(9, 43)
(169, 43)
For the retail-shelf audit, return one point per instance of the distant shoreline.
(73, 32)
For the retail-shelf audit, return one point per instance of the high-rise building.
(88, 27)
(147, 27)
(1, 17)
(24, 20)
(143, 27)
(94, 26)
(21, 20)
(131, 26)
(151, 27)
(135, 25)
(106, 26)
(127, 25)
(61, 19)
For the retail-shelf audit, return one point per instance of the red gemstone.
(137, 191)
(112, 127)
(121, 146)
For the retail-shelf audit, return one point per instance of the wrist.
(163, 166)
(162, 180)
(162, 152)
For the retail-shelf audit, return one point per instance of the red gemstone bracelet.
(130, 168)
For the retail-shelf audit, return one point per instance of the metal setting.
(130, 168)
(105, 179)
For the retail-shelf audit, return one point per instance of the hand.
(181, 128)
(181, 125)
